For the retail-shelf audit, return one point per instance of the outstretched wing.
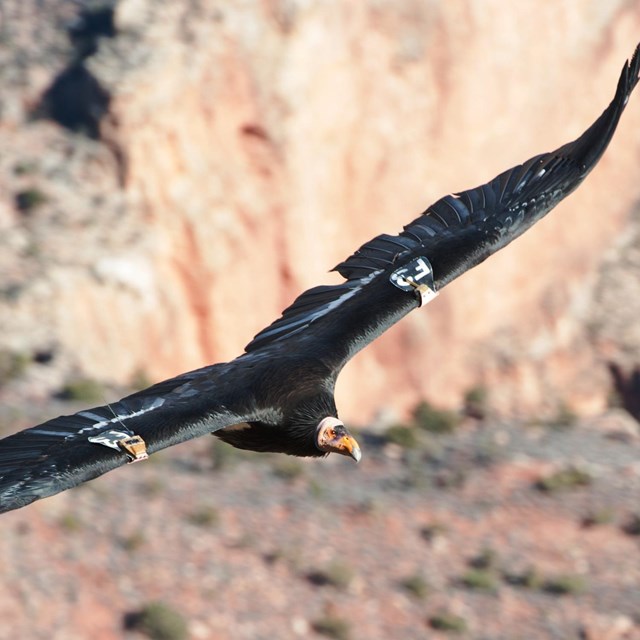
(69, 450)
(455, 234)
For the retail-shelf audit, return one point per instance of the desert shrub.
(336, 574)
(431, 531)
(486, 559)
(479, 580)
(12, 365)
(224, 456)
(204, 516)
(476, 401)
(82, 390)
(30, 199)
(158, 621)
(404, 436)
(437, 421)
(565, 585)
(332, 626)
(598, 517)
(632, 526)
(529, 579)
(287, 468)
(416, 585)
(564, 479)
(133, 541)
(70, 522)
(565, 417)
(447, 621)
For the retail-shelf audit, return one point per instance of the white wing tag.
(416, 277)
(131, 444)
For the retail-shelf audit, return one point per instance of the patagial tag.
(416, 277)
(110, 438)
(126, 441)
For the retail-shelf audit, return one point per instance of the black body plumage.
(280, 388)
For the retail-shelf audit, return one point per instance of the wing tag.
(134, 446)
(416, 277)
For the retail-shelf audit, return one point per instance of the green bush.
(204, 517)
(288, 469)
(30, 199)
(416, 585)
(82, 390)
(564, 418)
(336, 574)
(479, 580)
(437, 421)
(528, 579)
(333, 627)
(565, 585)
(158, 621)
(447, 621)
(476, 401)
(12, 365)
(403, 436)
(632, 526)
(564, 479)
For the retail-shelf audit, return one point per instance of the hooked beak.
(333, 437)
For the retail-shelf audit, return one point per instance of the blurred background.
(173, 174)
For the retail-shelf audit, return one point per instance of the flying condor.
(278, 395)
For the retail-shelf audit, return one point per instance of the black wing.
(456, 233)
(59, 454)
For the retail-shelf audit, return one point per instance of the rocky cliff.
(173, 174)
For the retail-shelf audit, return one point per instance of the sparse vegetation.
(336, 574)
(565, 585)
(287, 468)
(479, 580)
(224, 456)
(447, 621)
(416, 585)
(632, 526)
(332, 626)
(12, 365)
(529, 579)
(139, 380)
(564, 479)
(133, 541)
(476, 401)
(25, 167)
(485, 560)
(204, 516)
(565, 418)
(431, 531)
(598, 517)
(158, 621)
(70, 522)
(82, 390)
(404, 436)
(29, 200)
(436, 421)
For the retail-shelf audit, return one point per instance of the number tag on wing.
(111, 438)
(416, 277)
(126, 441)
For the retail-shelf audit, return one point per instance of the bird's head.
(333, 437)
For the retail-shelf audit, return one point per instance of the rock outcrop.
(173, 174)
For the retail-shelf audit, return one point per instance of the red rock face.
(247, 151)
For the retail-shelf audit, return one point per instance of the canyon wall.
(173, 174)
